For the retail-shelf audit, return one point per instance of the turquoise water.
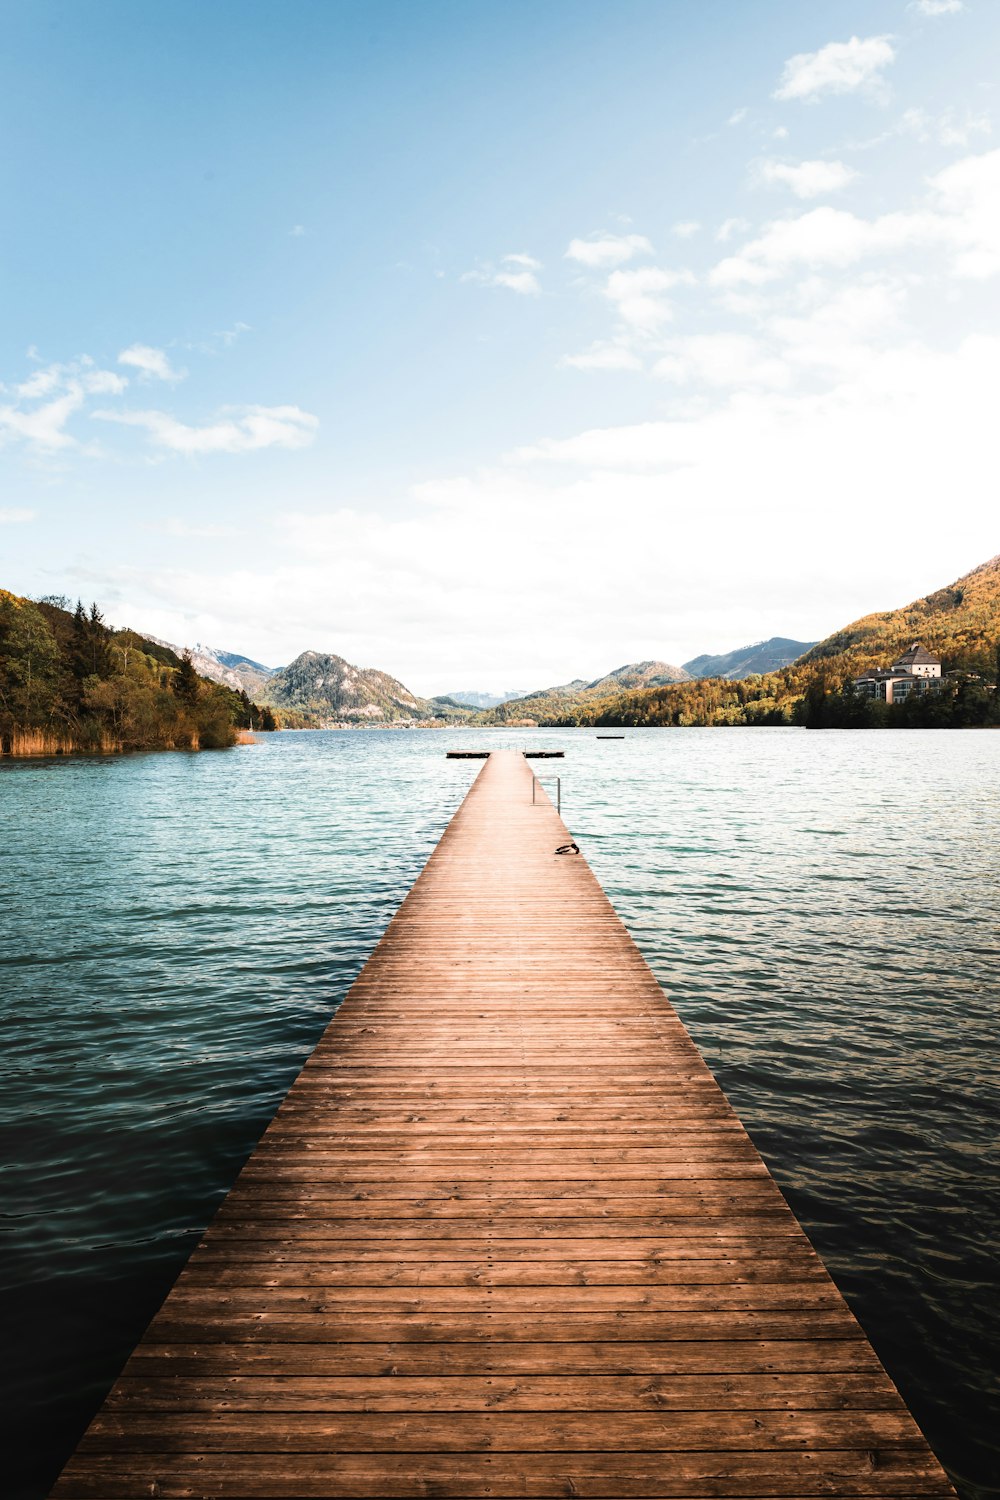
(822, 909)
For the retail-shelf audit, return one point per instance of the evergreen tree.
(98, 635)
(79, 653)
(186, 681)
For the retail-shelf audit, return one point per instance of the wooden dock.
(505, 1237)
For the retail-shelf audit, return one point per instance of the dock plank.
(504, 1237)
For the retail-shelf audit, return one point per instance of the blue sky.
(495, 345)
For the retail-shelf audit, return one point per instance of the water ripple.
(822, 909)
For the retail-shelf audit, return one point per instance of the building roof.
(918, 654)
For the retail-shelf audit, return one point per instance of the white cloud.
(771, 464)
(43, 426)
(603, 357)
(837, 68)
(738, 116)
(961, 218)
(46, 401)
(16, 516)
(79, 376)
(839, 331)
(247, 430)
(807, 179)
(721, 360)
(638, 298)
(297, 231)
(937, 7)
(524, 281)
(152, 364)
(601, 252)
(950, 128)
(686, 229)
(729, 227)
(968, 195)
(228, 336)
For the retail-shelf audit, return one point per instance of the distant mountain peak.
(327, 688)
(759, 657)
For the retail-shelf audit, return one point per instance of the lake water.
(823, 909)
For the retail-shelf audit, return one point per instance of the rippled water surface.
(823, 909)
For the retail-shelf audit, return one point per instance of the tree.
(29, 664)
(186, 682)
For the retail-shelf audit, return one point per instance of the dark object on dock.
(468, 754)
(610, 736)
(504, 1237)
(543, 754)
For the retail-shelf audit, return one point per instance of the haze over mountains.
(323, 688)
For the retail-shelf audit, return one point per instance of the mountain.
(325, 689)
(746, 661)
(233, 671)
(469, 698)
(559, 704)
(638, 674)
(250, 674)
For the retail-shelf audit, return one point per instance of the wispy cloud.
(42, 426)
(599, 252)
(245, 430)
(606, 356)
(297, 231)
(837, 68)
(16, 516)
(515, 273)
(152, 364)
(45, 402)
(686, 229)
(807, 179)
(729, 227)
(937, 7)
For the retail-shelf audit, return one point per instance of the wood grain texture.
(504, 1237)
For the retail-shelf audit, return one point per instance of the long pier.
(504, 1237)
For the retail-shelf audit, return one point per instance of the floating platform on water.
(505, 1237)
(485, 754)
(610, 736)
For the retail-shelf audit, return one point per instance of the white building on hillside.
(916, 671)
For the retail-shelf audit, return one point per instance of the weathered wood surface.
(505, 1237)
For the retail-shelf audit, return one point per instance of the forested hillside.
(68, 682)
(960, 623)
